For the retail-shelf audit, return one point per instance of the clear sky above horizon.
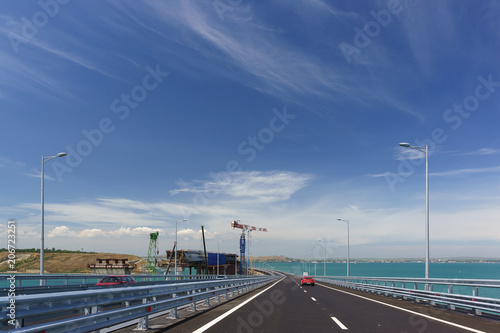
(281, 114)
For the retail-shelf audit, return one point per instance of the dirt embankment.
(273, 259)
(60, 262)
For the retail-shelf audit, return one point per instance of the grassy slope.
(60, 262)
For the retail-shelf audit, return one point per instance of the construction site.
(178, 261)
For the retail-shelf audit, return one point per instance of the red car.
(307, 280)
(114, 280)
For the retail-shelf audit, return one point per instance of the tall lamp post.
(324, 271)
(42, 245)
(177, 222)
(346, 221)
(426, 151)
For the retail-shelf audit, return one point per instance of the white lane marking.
(224, 315)
(342, 326)
(314, 299)
(406, 310)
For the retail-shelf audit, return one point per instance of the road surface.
(285, 306)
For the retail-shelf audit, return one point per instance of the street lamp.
(45, 159)
(324, 271)
(426, 151)
(346, 221)
(177, 222)
(218, 243)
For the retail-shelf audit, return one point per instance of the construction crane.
(152, 252)
(244, 227)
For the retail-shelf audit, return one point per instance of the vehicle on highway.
(114, 280)
(307, 280)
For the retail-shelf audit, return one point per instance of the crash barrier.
(29, 280)
(452, 293)
(91, 310)
(36, 284)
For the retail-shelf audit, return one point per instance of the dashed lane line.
(338, 322)
(410, 311)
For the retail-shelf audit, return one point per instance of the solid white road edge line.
(342, 326)
(224, 315)
(410, 311)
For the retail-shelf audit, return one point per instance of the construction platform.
(112, 266)
(197, 264)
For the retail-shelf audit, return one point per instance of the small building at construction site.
(197, 264)
(112, 266)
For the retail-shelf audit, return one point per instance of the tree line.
(53, 250)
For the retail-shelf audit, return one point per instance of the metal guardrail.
(422, 290)
(91, 310)
(36, 284)
(68, 279)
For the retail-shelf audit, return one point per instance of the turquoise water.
(407, 270)
(410, 270)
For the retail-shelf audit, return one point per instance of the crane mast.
(152, 261)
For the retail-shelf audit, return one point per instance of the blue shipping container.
(212, 259)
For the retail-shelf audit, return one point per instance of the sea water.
(475, 271)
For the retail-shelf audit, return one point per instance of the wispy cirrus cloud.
(378, 175)
(7, 162)
(479, 152)
(44, 64)
(270, 186)
(27, 76)
(110, 212)
(461, 172)
(402, 153)
(263, 54)
(248, 47)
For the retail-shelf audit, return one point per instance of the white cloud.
(461, 172)
(64, 231)
(378, 175)
(261, 54)
(6, 162)
(403, 153)
(195, 234)
(480, 152)
(271, 186)
(111, 211)
(294, 226)
(488, 151)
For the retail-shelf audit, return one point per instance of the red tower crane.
(244, 227)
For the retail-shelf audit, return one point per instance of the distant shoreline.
(379, 260)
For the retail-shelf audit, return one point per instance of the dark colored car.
(114, 280)
(307, 280)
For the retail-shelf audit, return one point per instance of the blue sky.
(280, 114)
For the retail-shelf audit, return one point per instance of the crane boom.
(235, 224)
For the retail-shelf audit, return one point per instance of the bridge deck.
(288, 307)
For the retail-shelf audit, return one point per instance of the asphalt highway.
(285, 306)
